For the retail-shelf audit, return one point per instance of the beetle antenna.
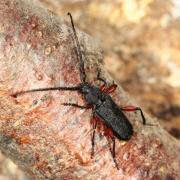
(78, 52)
(76, 88)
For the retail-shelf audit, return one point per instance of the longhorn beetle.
(106, 113)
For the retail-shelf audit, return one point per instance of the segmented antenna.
(79, 53)
(76, 88)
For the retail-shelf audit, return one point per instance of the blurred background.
(141, 44)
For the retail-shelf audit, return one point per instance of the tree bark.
(48, 140)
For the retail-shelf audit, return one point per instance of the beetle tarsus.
(112, 151)
(94, 123)
(132, 109)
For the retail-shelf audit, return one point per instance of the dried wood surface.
(48, 140)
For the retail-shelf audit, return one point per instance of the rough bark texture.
(48, 140)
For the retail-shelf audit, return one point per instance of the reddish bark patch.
(29, 30)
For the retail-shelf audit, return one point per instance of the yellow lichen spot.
(162, 169)
(39, 33)
(126, 156)
(48, 50)
(123, 142)
(17, 123)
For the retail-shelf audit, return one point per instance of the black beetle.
(106, 114)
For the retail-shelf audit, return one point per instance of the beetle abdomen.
(114, 118)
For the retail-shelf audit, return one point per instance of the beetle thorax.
(92, 94)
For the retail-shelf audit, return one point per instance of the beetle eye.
(86, 91)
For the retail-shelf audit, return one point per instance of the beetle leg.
(110, 89)
(77, 106)
(114, 152)
(109, 133)
(133, 108)
(94, 123)
(102, 88)
(100, 78)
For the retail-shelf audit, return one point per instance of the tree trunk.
(49, 140)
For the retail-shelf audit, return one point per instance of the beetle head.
(91, 94)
